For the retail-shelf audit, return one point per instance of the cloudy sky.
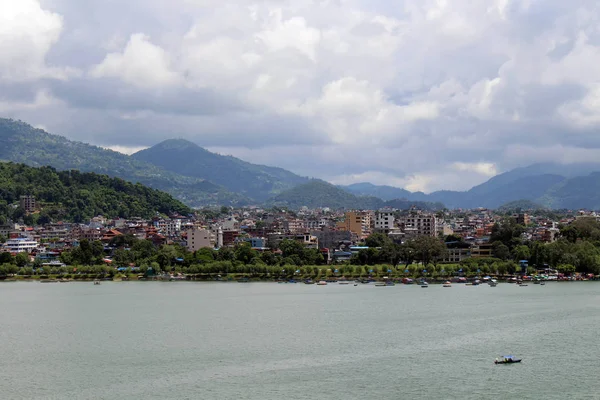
(421, 94)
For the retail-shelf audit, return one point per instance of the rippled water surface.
(185, 340)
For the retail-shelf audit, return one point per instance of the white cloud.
(126, 149)
(485, 169)
(141, 63)
(27, 33)
(424, 94)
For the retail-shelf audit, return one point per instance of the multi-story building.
(20, 245)
(357, 222)
(482, 250)
(168, 227)
(198, 238)
(385, 221)
(331, 239)
(423, 224)
(523, 219)
(27, 203)
(80, 232)
(457, 254)
(293, 225)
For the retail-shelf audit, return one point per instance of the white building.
(384, 221)
(20, 245)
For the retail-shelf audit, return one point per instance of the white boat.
(322, 283)
(447, 284)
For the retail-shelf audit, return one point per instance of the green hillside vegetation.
(519, 206)
(23, 143)
(76, 197)
(183, 157)
(317, 193)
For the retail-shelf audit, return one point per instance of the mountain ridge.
(188, 172)
(186, 158)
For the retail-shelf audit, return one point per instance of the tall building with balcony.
(420, 224)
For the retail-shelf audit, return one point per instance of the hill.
(23, 143)
(519, 206)
(183, 157)
(383, 192)
(77, 197)
(318, 193)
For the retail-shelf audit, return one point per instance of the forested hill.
(22, 143)
(76, 197)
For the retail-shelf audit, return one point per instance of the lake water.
(187, 340)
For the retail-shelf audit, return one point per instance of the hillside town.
(337, 235)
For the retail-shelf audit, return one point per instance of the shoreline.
(250, 279)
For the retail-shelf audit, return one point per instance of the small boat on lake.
(424, 284)
(380, 284)
(507, 360)
(447, 284)
(321, 283)
(96, 282)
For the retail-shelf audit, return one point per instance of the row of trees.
(382, 249)
(223, 268)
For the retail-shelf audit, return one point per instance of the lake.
(192, 340)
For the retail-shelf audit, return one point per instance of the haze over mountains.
(199, 177)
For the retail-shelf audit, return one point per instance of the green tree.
(377, 240)
(428, 249)
(522, 252)
(6, 258)
(244, 253)
(500, 250)
(22, 259)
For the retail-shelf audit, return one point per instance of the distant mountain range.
(199, 177)
(550, 185)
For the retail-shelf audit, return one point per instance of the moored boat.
(447, 284)
(321, 283)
